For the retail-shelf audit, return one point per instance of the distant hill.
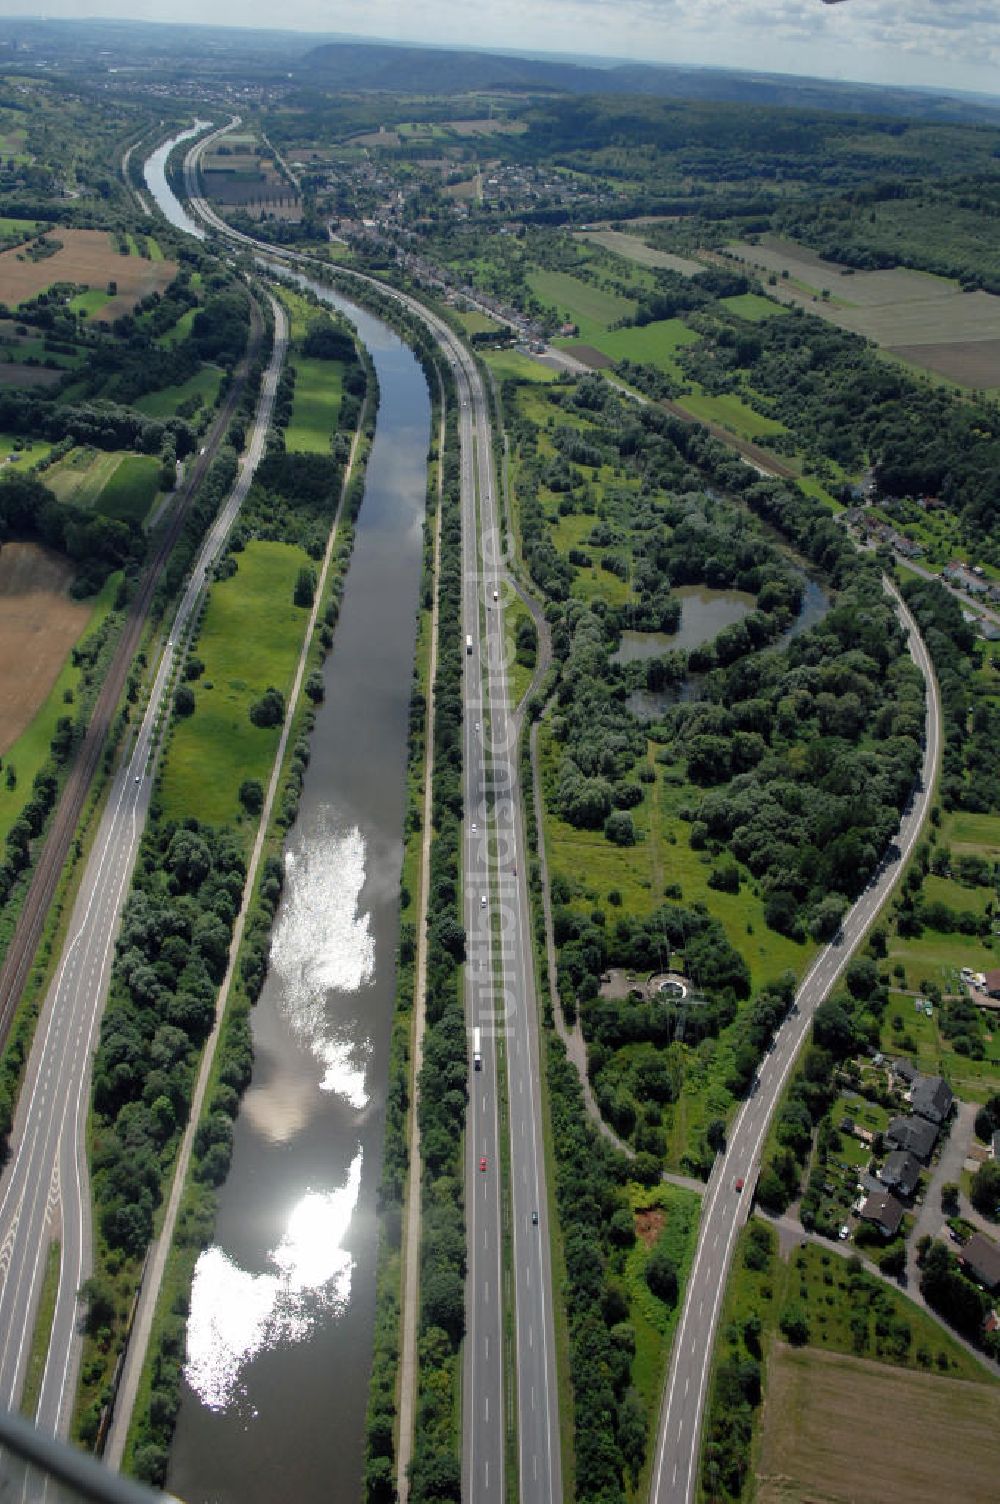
(428, 70)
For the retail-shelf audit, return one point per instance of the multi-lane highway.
(500, 990)
(45, 1192)
(725, 1209)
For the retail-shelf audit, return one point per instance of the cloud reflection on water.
(236, 1314)
(322, 944)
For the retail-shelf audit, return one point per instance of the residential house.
(901, 1173)
(932, 1098)
(991, 982)
(981, 1259)
(884, 1211)
(914, 1134)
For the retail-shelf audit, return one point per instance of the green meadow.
(590, 308)
(249, 640)
(318, 391)
(165, 402)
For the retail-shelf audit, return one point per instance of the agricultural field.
(653, 344)
(39, 623)
(831, 1421)
(107, 481)
(632, 248)
(924, 320)
(249, 640)
(87, 257)
(590, 308)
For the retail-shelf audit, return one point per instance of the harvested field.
(925, 320)
(969, 362)
(930, 321)
(88, 257)
(840, 1430)
(38, 626)
(634, 249)
(596, 359)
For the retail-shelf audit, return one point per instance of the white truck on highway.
(477, 1053)
(468, 646)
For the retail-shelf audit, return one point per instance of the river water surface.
(155, 172)
(279, 1335)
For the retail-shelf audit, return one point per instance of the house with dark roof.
(915, 1134)
(905, 1070)
(981, 1259)
(932, 1098)
(901, 1173)
(991, 982)
(884, 1211)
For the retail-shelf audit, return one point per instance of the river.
(154, 170)
(279, 1335)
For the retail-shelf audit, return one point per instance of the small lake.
(704, 613)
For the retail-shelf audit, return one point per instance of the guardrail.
(31, 1463)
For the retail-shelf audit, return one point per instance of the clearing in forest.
(843, 1430)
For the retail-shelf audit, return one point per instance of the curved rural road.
(725, 1210)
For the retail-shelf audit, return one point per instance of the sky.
(942, 43)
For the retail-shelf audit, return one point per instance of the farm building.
(884, 1211)
(981, 1259)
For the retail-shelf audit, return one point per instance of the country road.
(725, 1209)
